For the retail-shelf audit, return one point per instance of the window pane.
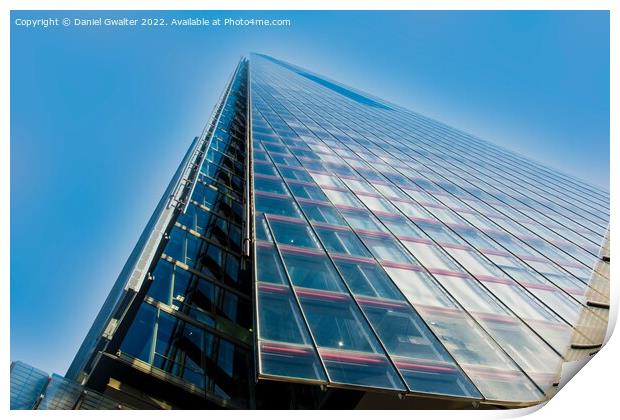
(276, 206)
(367, 279)
(312, 271)
(431, 256)
(138, 341)
(337, 324)
(322, 214)
(279, 316)
(270, 186)
(342, 242)
(307, 191)
(385, 248)
(293, 234)
(363, 220)
(269, 268)
(161, 286)
(341, 198)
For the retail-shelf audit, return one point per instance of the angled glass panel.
(138, 341)
(313, 271)
(385, 248)
(280, 206)
(421, 359)
(322, 213)
(270, 185)
(269, 268)
(310, 192)
(431, 256)
(527, 349)
(293, 234)
(342, 241)
(285, 348)
(349, 349)
(366, 278)
(363, 220)
(496, 376)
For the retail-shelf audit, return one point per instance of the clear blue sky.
(100, 118)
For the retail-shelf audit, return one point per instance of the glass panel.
(385, 248)
(161, 286)
(431, 256)
(270, 185)
(342, 242)
(341, 198)
(138, 341)
(403, 228)
(423, 362)
(362, 220)
(475, 263)
(279, 359)
(323, 214)
(279, 316)
(311, 271)
(494, 375)
(367, 279)
(348, 348)
(307, 191)
(269, 268)
(293, 234)
(276, 206)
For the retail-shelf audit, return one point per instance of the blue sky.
(100, 117)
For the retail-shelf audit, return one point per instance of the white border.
(591, 394)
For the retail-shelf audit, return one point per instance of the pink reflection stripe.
(533, 258)
(541, 287)
(270, 287)
(464, 247)
(321, 294)
(287, 350)
(343, 357)
(424, 219)
(331, 227)
(344, 207)
(385, 213)
(491, 373)
(263, 244)
(314, 171)
(496, 252)
(413, 239)
(263, 176)
(299, 182)
(349, 258)
(504, 319)
(285, 218)
(295, 168)
(402, 200)
(330, 188)
(372, 234)
(403, 266)
(449, 273)
(369, 194)
(454, 312)
(271, 195)
(458, 225)
(316, 202)
(380, 303)
(493, 279)
(297, 250)
(426, 368)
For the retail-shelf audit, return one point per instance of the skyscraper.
(319, 247)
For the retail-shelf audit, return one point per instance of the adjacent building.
(322, 248)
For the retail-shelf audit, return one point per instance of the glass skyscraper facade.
(319, 247)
